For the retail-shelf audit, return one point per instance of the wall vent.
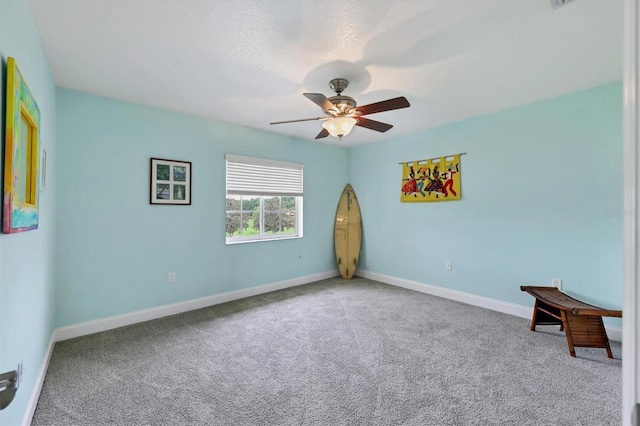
(559, 3)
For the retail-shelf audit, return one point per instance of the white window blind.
(257, 176)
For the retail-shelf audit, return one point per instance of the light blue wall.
(537, 183)
(115, 249)
(26, 259)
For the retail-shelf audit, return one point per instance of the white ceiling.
(249, 61)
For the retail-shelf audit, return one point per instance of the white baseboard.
(103, 324)
(37, 388)
(614, 333)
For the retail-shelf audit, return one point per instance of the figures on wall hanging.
(433, 179)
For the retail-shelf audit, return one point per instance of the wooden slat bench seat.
(581, 322)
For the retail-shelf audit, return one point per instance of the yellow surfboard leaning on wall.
(348, 233)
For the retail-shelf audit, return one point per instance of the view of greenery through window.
(246, 214)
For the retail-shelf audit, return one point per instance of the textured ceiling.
(249, 61)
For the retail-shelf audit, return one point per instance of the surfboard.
(348, 233)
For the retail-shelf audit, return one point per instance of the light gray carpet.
(331, 353)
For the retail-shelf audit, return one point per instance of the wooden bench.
(581, 322)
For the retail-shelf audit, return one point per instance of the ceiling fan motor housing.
(344, 104)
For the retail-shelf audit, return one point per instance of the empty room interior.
(176, 253)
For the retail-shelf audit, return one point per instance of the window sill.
(259, 240)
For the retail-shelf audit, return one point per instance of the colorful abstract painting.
(22, 151)
(435, 179)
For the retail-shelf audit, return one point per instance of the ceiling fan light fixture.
(339, 126)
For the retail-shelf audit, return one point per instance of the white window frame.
(251, 177)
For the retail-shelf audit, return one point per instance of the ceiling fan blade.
(323, 134)
(388, 105)
(302, 119)
(320, 100)
(372, 124)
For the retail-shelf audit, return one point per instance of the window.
(264, 199)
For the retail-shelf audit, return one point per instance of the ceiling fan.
(342, 112)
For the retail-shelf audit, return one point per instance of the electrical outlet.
(448, 265)
(172, 277)
(557, 283)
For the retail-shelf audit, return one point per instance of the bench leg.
(535, 316)
(567, 332)
(609, 354)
